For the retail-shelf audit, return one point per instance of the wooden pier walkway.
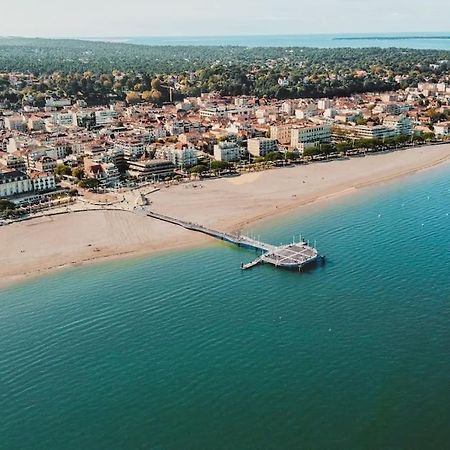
(242, 241)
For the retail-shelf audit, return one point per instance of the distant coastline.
(440, 40)
(388, 38)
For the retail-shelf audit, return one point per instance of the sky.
(128, 18)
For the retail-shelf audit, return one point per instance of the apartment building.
(281, 133)
(379, 132)
(260, 147)
(15, 182)
(105, 116)
(310, 135)
(227, 151)
(150, 169)
(181, 155)
(401, 124)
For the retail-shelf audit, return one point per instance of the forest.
(100, 71)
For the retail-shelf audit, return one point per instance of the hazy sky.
(82, 18)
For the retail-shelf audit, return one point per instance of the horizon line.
(186, 36)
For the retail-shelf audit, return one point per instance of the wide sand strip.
(41, 245)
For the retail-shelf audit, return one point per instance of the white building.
(401, 124)
(57, 103)
(157, 133)
(210, 112)
(374, 132)
(181, 155)
(65, 119)
(42, 181)
(261, 146)
(302, 137)
(324, 104)
(105, 116)
(442, 129)
(227, 151)
(130, 148)
(16, 183)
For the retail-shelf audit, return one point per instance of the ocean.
(437, 41)
(186, 351)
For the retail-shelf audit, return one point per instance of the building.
(324, 104)
(57, 103)
(130, 148)
(401, 124)
(65, 119)
(442, 129)
(105, 116)
(15, 123)
(13, 162)
(213, 112)
(302, 137)
(227, 151)
(36, 124)
(281, 133)
(14, 183)
(261, 146)
(42, 181)
(181, 155)
(43, 164)
(374, 132)
(151, 169)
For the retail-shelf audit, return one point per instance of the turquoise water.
(438, 41)
(186, 351)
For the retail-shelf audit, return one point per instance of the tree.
(6, 205)
(273, 156)
(155, 95)
(78, 172)
(290, 155)
(312, 151)
(147, 96)
(132, 98)
(220, 165)
(89, 183)
(62, 169)
(343, 146)
(199, 168)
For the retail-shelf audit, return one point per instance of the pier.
(296, 255)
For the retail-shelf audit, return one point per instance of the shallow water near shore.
(185, 350)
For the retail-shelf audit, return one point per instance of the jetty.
(296, 255)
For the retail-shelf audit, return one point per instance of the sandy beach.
(41, 245)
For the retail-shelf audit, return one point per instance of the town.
(64, 150)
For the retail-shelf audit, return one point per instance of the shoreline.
(74, 240)
(321, 199)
